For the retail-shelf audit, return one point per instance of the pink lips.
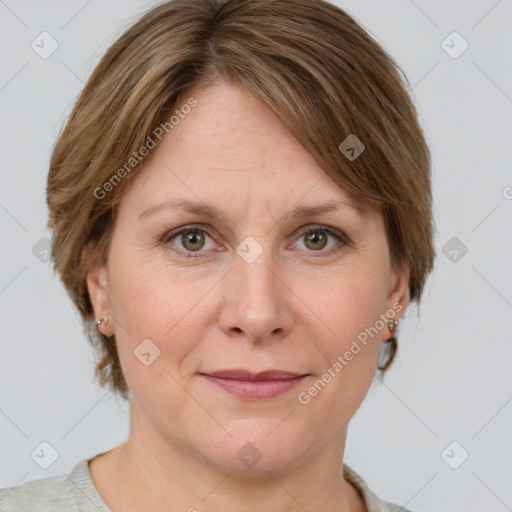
(253, 386)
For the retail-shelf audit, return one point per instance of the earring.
(98, 322)
(393, 345)
(393, 325)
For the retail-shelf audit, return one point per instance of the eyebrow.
(298, 212)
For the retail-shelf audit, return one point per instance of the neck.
(151, 473)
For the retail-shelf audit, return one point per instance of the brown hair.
(310, 62)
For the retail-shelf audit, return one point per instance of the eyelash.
(340, 237)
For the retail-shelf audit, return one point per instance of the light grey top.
(76, 493)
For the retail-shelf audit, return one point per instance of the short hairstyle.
(310, 62)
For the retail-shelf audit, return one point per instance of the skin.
(297, 307)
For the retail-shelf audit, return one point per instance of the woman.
(241, 211)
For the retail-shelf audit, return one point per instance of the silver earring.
(98, 322)
(393, 325)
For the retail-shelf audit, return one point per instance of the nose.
(256, 300)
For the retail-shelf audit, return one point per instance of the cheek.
(344, 303)
(155, 301)
(349, 344)
(150, 305)
(145, 294)
(349, 339)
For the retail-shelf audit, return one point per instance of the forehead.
(231, 149)
(234, 131)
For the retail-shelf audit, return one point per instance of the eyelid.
(189, 227)
(303, 230)
(341, 237)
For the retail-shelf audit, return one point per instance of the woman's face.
(245, 288)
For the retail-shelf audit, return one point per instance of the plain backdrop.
(436, 433)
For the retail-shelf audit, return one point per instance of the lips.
(255, 385)
(247, 375)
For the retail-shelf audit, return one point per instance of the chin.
(253, 452)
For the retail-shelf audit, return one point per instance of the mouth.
(255, 385)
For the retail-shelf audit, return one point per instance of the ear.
(97, 286)
(398, 291)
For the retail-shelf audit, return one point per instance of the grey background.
(452, 379)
